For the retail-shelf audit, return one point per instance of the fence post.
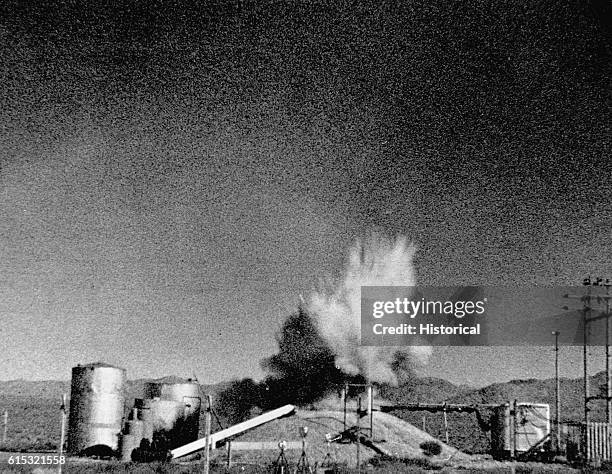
(5, 426)
(229, 454)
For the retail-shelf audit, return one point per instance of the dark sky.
(174, 176)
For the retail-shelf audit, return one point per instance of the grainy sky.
(174, 176)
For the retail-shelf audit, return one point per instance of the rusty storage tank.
(187, 393)
(97, 399)
(162, 421)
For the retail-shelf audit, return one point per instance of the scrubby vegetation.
(33, 423)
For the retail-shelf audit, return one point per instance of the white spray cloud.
(378, 261)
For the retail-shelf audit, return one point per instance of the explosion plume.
(318, 346)
(376, 262)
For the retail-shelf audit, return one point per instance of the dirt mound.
(391, 434)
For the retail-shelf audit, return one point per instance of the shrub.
(431, 448)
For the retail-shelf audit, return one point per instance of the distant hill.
(543, 391)
(423, 390)
(45, 389)
(465, 431)
(33, 406)
(420, 390)
(54, 389)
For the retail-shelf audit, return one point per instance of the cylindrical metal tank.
(187, 393)
(133, 433)
(134, 427)
(166, 414)
(143, 409)
(97, 399)
(162, 417)
(129, 443)
(518, 428)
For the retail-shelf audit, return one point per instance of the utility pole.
(587, 301)
(208, 423)
(607, 284)
(358, 433)
(445, 425)
(557, 395)
(586, 379)
(346, 390)
(62, 432)
(371, 410)
(514, 413)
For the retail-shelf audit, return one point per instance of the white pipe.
(231, 431)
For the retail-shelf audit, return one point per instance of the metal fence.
(594, 442)
(599, 442)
